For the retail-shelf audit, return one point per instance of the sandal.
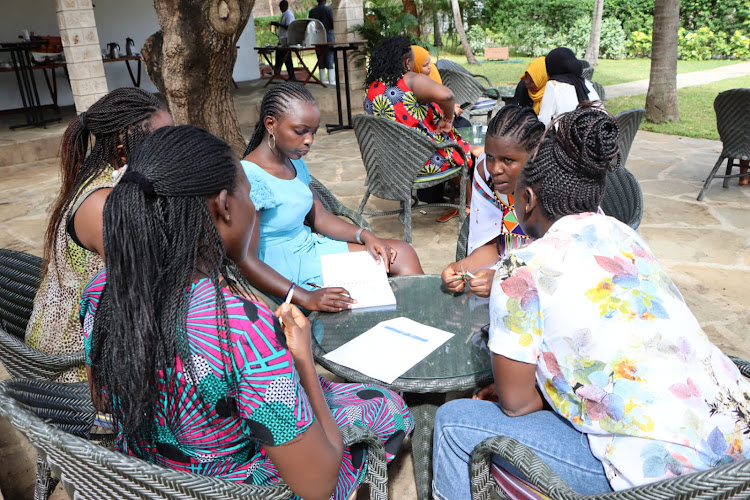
(448, 214)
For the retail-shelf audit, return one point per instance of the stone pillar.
(77, 24)
(346, 14)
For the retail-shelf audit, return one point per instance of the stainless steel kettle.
(114, 50)
(129, 46)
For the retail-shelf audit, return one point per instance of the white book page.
(390, 348)
(363, 277)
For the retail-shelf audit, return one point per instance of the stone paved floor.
(704, 246)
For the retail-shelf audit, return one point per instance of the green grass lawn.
(697, 117)
(608, 72)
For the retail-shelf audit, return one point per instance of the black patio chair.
(443, 64)
(600, 91)
(333, 205)
(733, 122)
(467, 89)
(393, 155)
(729, 481)
(588, 73)
(462, 245)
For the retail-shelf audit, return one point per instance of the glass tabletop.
(421, 298)
(467, 134)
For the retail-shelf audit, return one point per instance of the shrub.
(739, 45)
(613, 40)
(639, 44)
(695, 45)
(476, 38)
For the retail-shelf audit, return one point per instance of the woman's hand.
(488, 393)
(379, 249)
(452, 277)
(332, 299)
(296, 328)
(481, 284)
(444, 125)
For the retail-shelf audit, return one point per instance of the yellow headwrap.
(420, 56)
(537, 70)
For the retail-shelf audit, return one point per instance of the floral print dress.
(398, 103)
(618, 352)
(215, 419)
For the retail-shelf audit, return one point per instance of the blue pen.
(407, 334)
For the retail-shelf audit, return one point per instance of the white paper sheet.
(390, 348)
(363, 277)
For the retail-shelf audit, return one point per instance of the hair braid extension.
(154, 244)
(122, 115)
(518, 122)
(277, 102)
(387, 61)
(569, 169)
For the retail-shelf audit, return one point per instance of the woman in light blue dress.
(284, 250)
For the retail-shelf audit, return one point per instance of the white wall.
(115, 21)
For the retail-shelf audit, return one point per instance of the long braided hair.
(569, 170)
(276, 103)
(122, 117)
(520, 123)
(387, 61)
(157, 231)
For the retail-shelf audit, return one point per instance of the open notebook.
(363, 277)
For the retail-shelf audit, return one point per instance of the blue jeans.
(462, 424)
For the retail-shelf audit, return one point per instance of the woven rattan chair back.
(452, 66)
(588, 73)
(623, 198)
(600, 91)
(393, 155)
(466, 88)
(732, 109)
(462, 245)
(333, 205)
(91, 471)
(729, 481)
(19, 280)
(628, 122)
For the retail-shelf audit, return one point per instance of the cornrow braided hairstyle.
(387, 61)
(569, 170)
(520, 123)
(277, 102)
(157, 231)
(122, 117)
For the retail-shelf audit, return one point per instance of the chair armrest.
(743, 365)
(377, 466)
(26, 362)
(489, 83)
(521, 457)
(492, 93)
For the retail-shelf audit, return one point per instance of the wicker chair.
(443, 64)
(628, 121)
(729, 481)
(19, 281)
(600, 91)
(733, 122)
(333, 205)
(462, 245)
(467, 89)
(588, 73)
(393, 155)
(57, 417)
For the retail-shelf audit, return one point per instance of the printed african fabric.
(398, 103)
(54, 327)
(618, 352)
(492, 215)
(215, 419)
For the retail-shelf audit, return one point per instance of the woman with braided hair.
(198, 375)
(73, 250)
(512, 135)
(599, 365)
(285, 251)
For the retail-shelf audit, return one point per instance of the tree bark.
(459, 22)
(410, 7)
(592, 51)
(437, 38)
(661, 99)
(191, 61)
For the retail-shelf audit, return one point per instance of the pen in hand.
(287, 300)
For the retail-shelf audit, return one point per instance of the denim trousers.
(463, 423)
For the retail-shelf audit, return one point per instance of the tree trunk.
(437, 38)
(592, 51)
(661, 99)
(191, 61)
(410, 7)
(459, 22)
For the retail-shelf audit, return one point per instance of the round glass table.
(463, 362)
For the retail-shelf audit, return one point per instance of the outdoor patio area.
(704, 246)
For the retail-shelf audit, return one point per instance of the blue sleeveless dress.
(286, 244)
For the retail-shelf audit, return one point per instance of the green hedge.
(696, 45)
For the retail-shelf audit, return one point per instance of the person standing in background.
(324, 14)
(287, 18)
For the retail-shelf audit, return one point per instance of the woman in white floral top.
(587, 324)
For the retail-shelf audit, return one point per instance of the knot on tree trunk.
(224, 16)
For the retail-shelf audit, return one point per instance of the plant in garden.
(383, 19)
(477, 39)
(639, 44)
